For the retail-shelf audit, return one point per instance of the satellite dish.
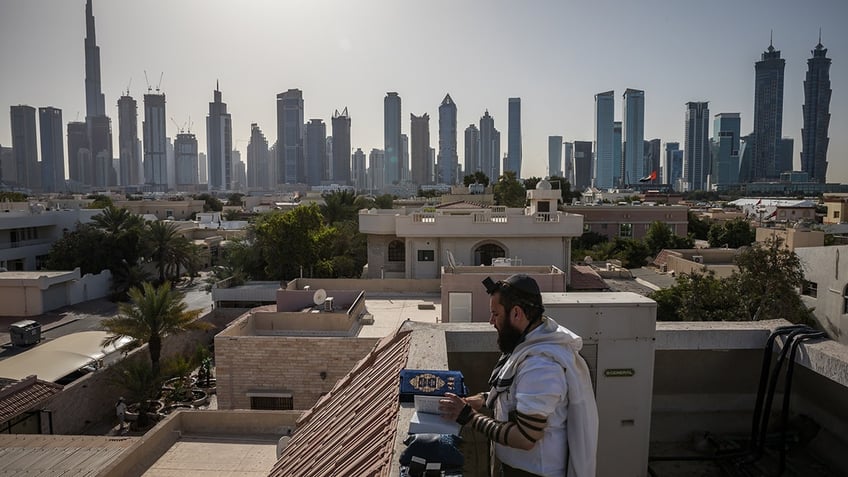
(319, 297)
(451, 260)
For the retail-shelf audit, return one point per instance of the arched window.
(484, 254)
(397, 251)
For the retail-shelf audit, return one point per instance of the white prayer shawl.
(563, 346)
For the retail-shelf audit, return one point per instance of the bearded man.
(545, 417)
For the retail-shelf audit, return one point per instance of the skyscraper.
(155, 143)
(447, 160)
(8, 171)
(617, 160)
(514, 137)
(633, 132)
(202, 167)
(393, 157)
(404, 155)
(316, 152)
(582, 165)
(239, 172)
(358, 171)
(653, 158)
(696, 146)
(422, 170)
(185, 159)
(376, 170)
(568, 162)
(605, 167)
(816, 110)
(100, 172)
(490, 148)
(768, 114)
(290, 130)
(79, 156)
(472, 150)
(670, 175)
(257, 160)
(341, 147)
(25, 146)
(725, 150)
(554, 156)
(128, 139)
(52, 150)
(219, 143)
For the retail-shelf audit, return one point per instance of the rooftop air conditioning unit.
(618, 331)
(698, 258)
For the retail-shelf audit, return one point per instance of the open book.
(427, 418)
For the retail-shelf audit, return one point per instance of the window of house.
(810, 289)
(587, 227)
(426, 255)
(835, 214)
(397, 251)
(625, 230)
(282, 402)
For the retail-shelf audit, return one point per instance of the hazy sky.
(555, 55)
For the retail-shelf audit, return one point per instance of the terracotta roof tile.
(351, 430)
(461, 204)
(24, 395)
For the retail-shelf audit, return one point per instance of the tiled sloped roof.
(24, 395)
(583, 277)
(461, 204)
(351, 430)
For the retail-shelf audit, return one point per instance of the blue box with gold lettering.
(429, 382)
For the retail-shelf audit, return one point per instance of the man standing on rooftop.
(545, 417)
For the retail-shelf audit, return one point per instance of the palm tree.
(139, 382)
(150, 315)
(115, 220)
(339, 206)
(169, 248)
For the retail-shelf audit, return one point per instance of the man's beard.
(508, 339)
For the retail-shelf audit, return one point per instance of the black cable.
(755, 421)
(787, 388)
(758, 450)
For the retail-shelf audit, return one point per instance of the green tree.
(385, 201)
(530, 182)
(699, 297)
(339, 206)
(697, 227)
(12, 196)
(151, 314)
(733, 234)
(169, 250)
(288, 240)
(139, 383)
(235, 199)
(81, 248)
(633, 253)
(764, 288)
(660, 236)
(477, 177)
(211, 203)
(770, 276)
(100, 201)
(588, 240)
(509, 191)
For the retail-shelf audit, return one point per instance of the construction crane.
(128, 86)
(180, 129)
(160, 81)
(147, 81)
